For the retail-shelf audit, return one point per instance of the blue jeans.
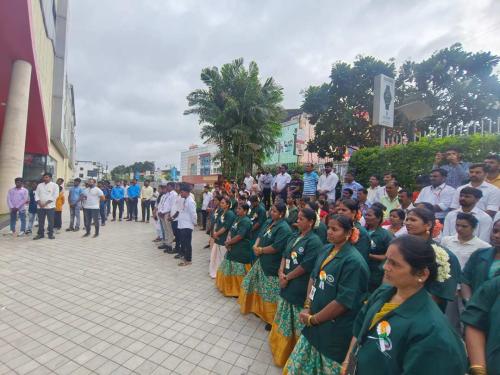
(13, 219)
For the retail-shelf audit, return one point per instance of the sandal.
(184, 263)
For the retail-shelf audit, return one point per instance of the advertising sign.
(383, 101)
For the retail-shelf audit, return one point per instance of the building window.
(80, 175)
(192, 170)
(81, 168)
(205, 165)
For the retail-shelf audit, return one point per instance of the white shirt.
(482, 230)
(92, 197)
(328, 183)
(168, 203)
(187, 214)
(207, 197)
(463, 250)
(490, 200)
(47, 192)
(374, 194)
(399, 233)
(176, 203)
(281, 181)
(248, 181)
(441, 196)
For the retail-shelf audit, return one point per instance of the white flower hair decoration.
(442, 259)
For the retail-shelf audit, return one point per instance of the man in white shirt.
(146, 195)
(281, 182)
(491, 194)
(187, 219)
(207, 197)
(404, 197)
(375, 190)
(248, 181)
(46, 194)
(469, 197)
(327, 182)
(165, 213)
(91, 198)
(438, 193)
(176, 206)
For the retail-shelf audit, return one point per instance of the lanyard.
(329, 258)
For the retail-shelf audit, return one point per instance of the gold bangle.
(477, 370)
(309, 320)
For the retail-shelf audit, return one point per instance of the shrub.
(416, 158)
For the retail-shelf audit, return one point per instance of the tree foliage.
(123, 172)
(237, 113)
(459, 86)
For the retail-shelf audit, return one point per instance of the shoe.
(28, 232)
(21, 234)
(157, 239)
(184, 263)
(51, 237)
(103, 224)
(37, 237)
(76, 229)
(207, 246)
(69, 229)
(86, 235)
(113, 219)
(170, 251)
(163, 247)
(128, 220)
(178, 256)
(95, 235)
(268, 327)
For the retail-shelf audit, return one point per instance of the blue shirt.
(310, 183)
(74, 194)
(354, 186)
(458, 175)
(134, 191)
(118, 192)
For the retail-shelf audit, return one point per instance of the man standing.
(492, 163)
(92, 197)
(186, 221)
(102, 203)
(456, 169)
(75, 204)
(439, 194)
(390, 200)
(207, 197)
(311, 179)
(125, 198)
(146, 195)
(363, 202)
(350, 183)
(134, 191)
(46, 194)
(17, 197)
(327, 182)
(375, 190)
(295, 186)
(405, 197)
(469, 197)
(281, 182)
(117, 196)
(32, 206)
(265, 184)
(490, 201)
(165, 209)
(248, 181)
(176, 205)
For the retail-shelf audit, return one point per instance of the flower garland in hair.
(442, 259)
(354, 235)
(318, 219)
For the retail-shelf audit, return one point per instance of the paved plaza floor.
(118, 305)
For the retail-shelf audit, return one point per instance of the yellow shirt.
(495, 181)
(60, 201)
(386, 309)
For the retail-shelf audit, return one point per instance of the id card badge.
(312, 292)
(287, 264)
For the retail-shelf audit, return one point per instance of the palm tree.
(235, 111)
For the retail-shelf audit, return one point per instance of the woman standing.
(336, 291)
(350, 209)
(400, 330)
(419, 222)
(223, 224)
(296, 265)
(397, 221)
(260, 287)
(482, 331)
(237, 261)
(379, 242)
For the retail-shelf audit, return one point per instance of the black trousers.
(185, 236)
(42, 214)
(177, 236)
(132, 213)
(89, 215)
(127, 202)
(57, 219)
(146, 209)
(204, 215)
(266, 192)
(118, 203)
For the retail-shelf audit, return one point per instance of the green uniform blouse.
(418, 338)
(477, 268)
(234, 205)
(379, 242)
(257, 215)
(275, 234)
(345, 280)
(293, 214)
(300, 251)
(241, 251)
(363, 245)
(213, 218)
(224, 220)
(320, 231)
(483, 313)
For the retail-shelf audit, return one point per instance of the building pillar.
(13, 138)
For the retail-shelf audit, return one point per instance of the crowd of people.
(349, 279)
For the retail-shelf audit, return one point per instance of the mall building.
(37, 109)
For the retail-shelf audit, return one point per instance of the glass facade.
(205, 165)
(36, 165)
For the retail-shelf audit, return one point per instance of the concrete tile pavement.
(118, 305)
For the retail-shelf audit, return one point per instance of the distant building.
(85, 169)
(198, 164)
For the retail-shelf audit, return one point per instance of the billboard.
(285, 150)
(383, 101)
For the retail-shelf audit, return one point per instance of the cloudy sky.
(134, 62)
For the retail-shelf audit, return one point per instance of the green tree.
(238, 113)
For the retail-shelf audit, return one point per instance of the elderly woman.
(260, 287)
(400, 330)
